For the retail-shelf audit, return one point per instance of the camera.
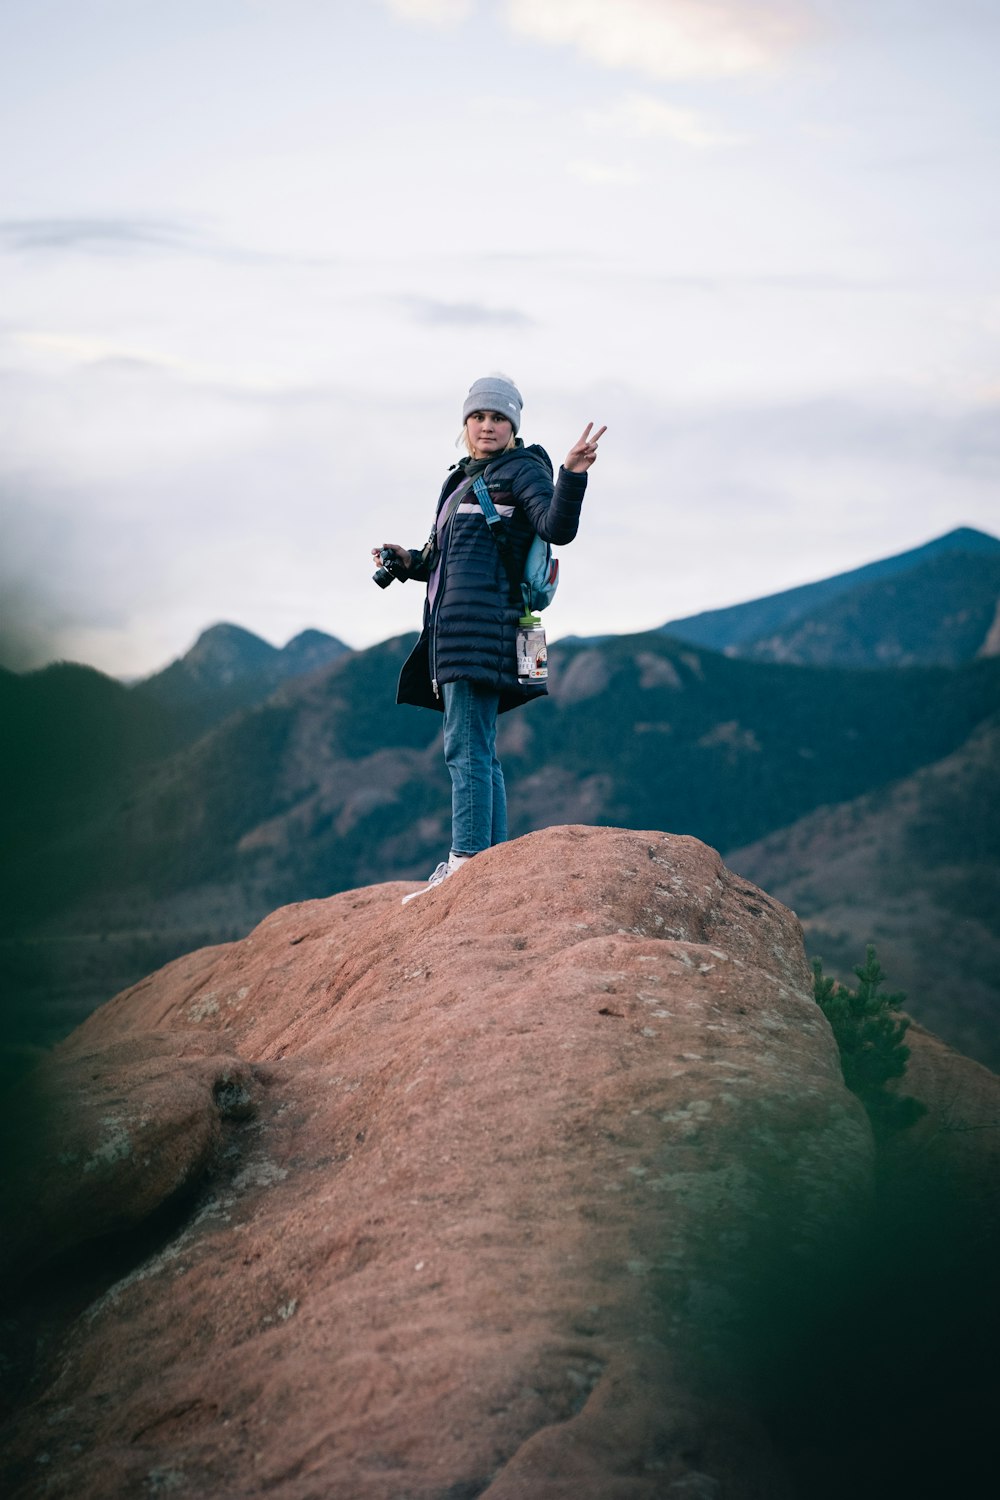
(390, 568)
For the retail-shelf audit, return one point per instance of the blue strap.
(493, 516)
(493, 520)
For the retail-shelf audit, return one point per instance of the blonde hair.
(462, 441)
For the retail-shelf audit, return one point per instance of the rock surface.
(136, 1123)
(496, 1193)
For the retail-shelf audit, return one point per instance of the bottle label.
(532, 655)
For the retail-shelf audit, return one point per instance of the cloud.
(712, 502)
(107, 358)
(659, 38)
(90, 234)
(463, 314)
(668, 38)
(837, 460)
(125, 236)
(437, 12)
(640, 115)
(44, 596)
(605, 174)
(698, 503)
(30, 634)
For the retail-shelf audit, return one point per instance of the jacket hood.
(534, 453)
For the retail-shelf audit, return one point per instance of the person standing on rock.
(464, 662)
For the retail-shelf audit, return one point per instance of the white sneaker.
(445, 868)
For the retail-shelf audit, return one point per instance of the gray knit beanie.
(494, 393)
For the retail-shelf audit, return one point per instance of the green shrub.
(870, 1035)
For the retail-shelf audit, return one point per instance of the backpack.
(540, 579)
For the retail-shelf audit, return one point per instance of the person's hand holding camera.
(393, 562)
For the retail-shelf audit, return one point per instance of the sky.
(254, 252)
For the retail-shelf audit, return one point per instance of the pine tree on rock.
(869, 1034)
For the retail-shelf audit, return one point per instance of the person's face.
(489, 432)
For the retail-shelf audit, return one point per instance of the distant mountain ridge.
(801, 625)
(914, 867)
(142, 822)
(229, 668)
(328, 785)
(66, 733)
(942, 612)
(69, 733)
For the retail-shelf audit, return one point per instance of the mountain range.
(229, 668)
(914, 867)
(155, 818)
(936, 604)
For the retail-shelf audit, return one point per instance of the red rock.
(956, 1144)
(520, 1150)
(113, 1134)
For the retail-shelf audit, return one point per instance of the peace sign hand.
(584, 450)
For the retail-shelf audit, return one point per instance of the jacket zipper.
(437, 611)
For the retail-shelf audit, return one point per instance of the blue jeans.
(478, 796)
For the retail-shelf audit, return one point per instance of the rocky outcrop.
(121, 1130)
(524, 1190)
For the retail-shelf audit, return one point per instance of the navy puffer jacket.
(471, 611)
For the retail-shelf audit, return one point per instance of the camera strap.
(450, 506)
(443, 519)
(494, 521)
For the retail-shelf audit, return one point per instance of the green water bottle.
(530, 649)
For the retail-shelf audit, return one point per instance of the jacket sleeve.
(553, 510)
(421, 562)
(422, 559)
